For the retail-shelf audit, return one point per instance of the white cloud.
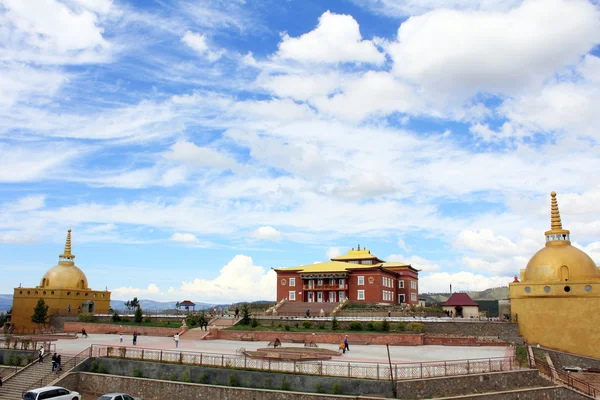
(403, 8)
(16, 237)
(128, 291)
(239, 280)
(417, 262)
(333, 252)
(20, 82)
(336, 39)
(403, 245)
(190, 154)
(266, 233)
(30, 32)
(184, 237)
(465, 52)
(27, 203)
(461, 281)
(197, 42)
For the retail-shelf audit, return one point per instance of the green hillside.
(499, 293)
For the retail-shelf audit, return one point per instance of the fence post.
(489, 365)
(180, 358)
(377, 371)
(468, 367)
(200, 358)
(445, 371)
(349, 370)
(142, 354)
(421, 370)
(245, 361)
(222, 359)
(161, 356)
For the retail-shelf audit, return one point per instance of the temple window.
(588, 288)
(68, 293)
(292, 295)
(547, 289)
(361, 280)
(567, 289)
(292, 281)
(367, 262)
(527, 289)
(401, 284)
(360, 295)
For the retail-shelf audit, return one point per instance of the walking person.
(120, 337)
(342, 347)
(54, 361)
(346, 347)
(41, 355)
(83, 332)
(0, 381)
(69, 309)
(176, 338)
(237, 312)
(58, 364)
(134, 338)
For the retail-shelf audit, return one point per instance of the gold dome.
(559, 261)
(65, 274)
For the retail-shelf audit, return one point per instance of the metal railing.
(63, 370)
(563, 377)
(330, 368)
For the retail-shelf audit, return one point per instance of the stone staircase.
(14, 385)
(223, 322)
(195, 334)
(298, 309)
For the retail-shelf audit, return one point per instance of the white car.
(51, 392)
(117, 396)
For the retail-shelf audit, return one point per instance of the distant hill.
(5, 302)
(499, 293)
(151, 305)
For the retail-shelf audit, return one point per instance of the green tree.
(3, 318)
(334, 324)
(40, 313)
(138, 315)
(245, 315)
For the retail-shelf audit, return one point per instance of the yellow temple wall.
(567, 322)
(57, 300)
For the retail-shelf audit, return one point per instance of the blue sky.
(193, 146)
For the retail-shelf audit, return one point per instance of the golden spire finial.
(67, 254)
(555, 224)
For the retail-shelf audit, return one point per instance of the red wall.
(76, 327)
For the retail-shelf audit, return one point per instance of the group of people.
(56, 361)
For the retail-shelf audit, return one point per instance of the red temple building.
(358, 276)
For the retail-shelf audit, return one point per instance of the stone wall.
(58, 321)
(24, 354)
(124, 329)
(469, 384)
(322, 337)
(97, 384)
(561, 359)
(475, 328)
(245, 378)
(551, 393)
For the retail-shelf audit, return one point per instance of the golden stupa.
(64, 289)
(556, 301)
(65, 274)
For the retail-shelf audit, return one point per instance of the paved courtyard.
(358, 353)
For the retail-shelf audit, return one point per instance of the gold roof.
(65, 274)
(558, 261)
(329, 266)
(359, 254)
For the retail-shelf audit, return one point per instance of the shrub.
(401, 326)
(101, 369)
(86, 317)
(137, 373)
(336, 389)
(147, 320)
(297, 325)
(203, 378)
(307, 324)
(94, 366)
(335, 325)
(415, 327)
(285, 385)
(321, 326)
(233, 380)
(116, 317)
(267, 383)
(319, 388)
(138, 315)
(286, 327)
(356, 326)
(173, 376)
(522, 356)
(186, 376)
(385, 325)
(254, 323)
(370, 326)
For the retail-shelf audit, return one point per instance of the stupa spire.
(556, 234)
(67, 255)
(555, 223)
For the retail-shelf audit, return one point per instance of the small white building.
(461, 305)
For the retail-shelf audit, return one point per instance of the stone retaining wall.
(468, 384)
(97, 384)
(124, 329)
(24, 354)
(561, 359)
(551, 393)
(398, 339)
(246, 378)
(476, 328)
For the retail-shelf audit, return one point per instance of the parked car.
(117, 396)
(51, 392)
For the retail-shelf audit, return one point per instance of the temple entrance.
(332, 297)
(319, 297)
(310, 297)
(458, 311)
(89, 306)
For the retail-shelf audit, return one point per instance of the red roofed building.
(461, 305)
